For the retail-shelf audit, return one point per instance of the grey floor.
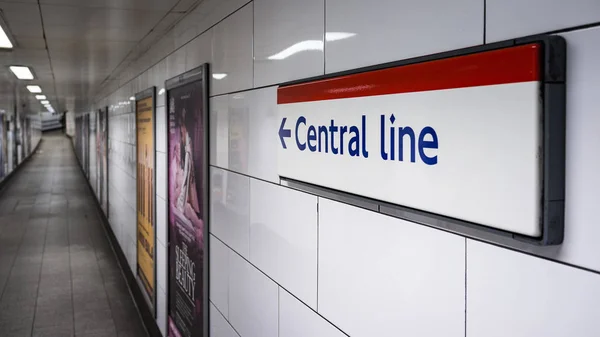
(58, 274)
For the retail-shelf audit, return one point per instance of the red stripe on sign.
(507, 65)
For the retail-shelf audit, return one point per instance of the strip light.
(40, 97)
(34, 89)
(22, 72)
(5, 41)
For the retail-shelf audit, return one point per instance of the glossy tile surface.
(219, 131)
(404, 29)
(219, 327)
(292, 311)
(295, 49)
(161, 221)
(520, 295)
(232, 53)
(252, 300)
(263, 126)
(199, 50)
(161, 175)
(161, 126)
(230, 209)
(219, 275)
(411, 274)
(537, 16)
(284, 221)
(58, 274)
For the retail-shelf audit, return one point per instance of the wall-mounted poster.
(145, 186)
(187, 103)
(28, 148)
(3, 154)
(102, 159)
(86, 146)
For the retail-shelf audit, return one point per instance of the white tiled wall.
(299, 24)
(401, 271)
(511, 294)
(286, 263)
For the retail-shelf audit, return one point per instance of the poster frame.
(198, 74)
(148, 93)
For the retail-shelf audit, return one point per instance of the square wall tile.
(176, 63)
(230, 209)
(161, 126)
(263, 126)
(213, 11)
(238, 119)
(219, 275)
(382, 276)
(198, 51)
(161, 175)
(232, 53)
(536, 16)
(293, 50)
(162, 261)
(298, 320)
(161, 221)
(283, 237)
(404, 29)
(517, 295)
(580, 245)
(219, 131)
(161, 311)
(219, 327)
(253, 300)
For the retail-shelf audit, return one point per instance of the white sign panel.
(459, 137)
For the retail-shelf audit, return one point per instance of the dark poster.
(86, 144)
(187, 208)
(28, 137)
(3, 148)
(102, 159)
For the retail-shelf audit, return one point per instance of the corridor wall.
(29, 136)
(285, 262)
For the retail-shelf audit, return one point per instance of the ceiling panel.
(95, 33)
(147, 5)
(31, 43)
(90, 44)
(25, 13)
(103, 18)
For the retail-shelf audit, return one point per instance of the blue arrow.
(284, 133)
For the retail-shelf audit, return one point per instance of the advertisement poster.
(102, 159)
(28, 148)
(188, 211)
(145, 195)
(3, 148)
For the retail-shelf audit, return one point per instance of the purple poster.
(187, 213)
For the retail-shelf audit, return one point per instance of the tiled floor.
(58, 274)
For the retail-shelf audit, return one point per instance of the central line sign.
(463, 137)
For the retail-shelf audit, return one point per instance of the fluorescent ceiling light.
(161, 91)
(132, 98)
(4, 39)
(334, 36)
(34, 89)
(22, 73)
(218, 76)
(50, 109)
(40, 97)
(45, 102)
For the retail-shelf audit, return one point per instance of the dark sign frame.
(148, 93)
(199, 74)
(552, 165)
